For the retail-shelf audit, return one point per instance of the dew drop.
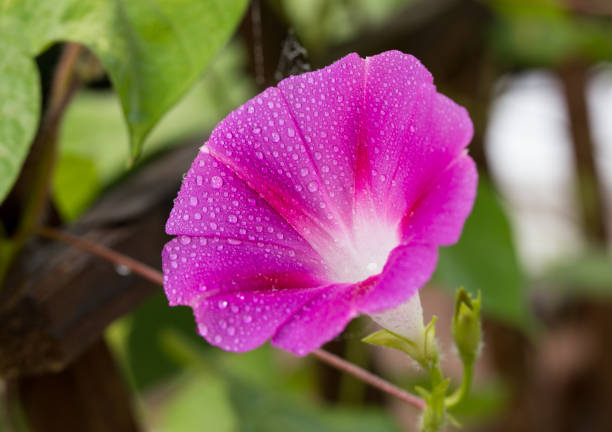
(275, 137)
(313, 186)
(232, 218)
(216, 182)
(222, 304)
(247, 318)
(185, 240)
(304, 172)
(290, 132)
(218, 339)
(202, 329)
(193, 201)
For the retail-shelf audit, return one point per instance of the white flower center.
(365, 254)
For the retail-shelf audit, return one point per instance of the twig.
(370, 378)
(156, 276)
(105, 253)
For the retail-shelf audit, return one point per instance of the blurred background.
(536, 77)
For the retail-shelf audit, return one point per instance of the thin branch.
(370, 378)
(107, 254)
(156, 276)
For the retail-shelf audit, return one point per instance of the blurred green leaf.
(148, 363)
(20, 96)
(588, 275)
(260, 404)
(259, 410)
(485, 259)
(153, 51)
(484, 402)
(546, 33)
(201, 403)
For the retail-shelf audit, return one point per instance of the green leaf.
(147, 361)
(261, 397)
(485, 260)
(546, 33)
(103, 154)
(259, 410)
(200, 403)
(586, 276)
(153, 51)
(20, 96)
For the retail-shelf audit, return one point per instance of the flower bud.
(466, 326)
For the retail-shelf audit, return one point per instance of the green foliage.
(147, 361)
(90, 162)
(260, 410)
(153, 52)
(588, 275)
(485, 260)
(200, 403)
(20, 96)
(545, 33)
(255, 390)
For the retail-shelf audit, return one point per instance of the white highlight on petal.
(405, 320)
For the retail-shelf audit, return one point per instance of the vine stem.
(157, 277)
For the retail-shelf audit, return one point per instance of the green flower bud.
(466, 326)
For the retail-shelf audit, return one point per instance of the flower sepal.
(423, 348)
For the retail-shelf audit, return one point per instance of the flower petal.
(325, 316)
(407, 270)
(411, 132)
(326, 108)
(318, 321)
(439, 217)
(198, 267)
(260, 143)
(214, 202)
(242, 321)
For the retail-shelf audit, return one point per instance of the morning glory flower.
(320, 199)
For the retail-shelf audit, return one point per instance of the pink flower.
(319, 199)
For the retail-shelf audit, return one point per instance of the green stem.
(464, 389)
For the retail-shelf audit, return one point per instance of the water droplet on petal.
(222, 304)
(216, 182)
(313, 186)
